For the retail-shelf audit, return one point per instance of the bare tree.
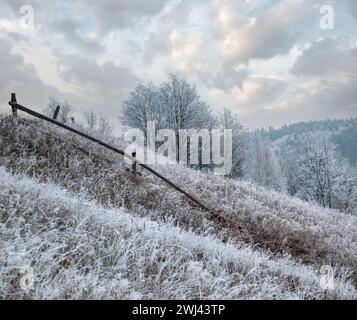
(143, 105)
(174, 105)
(262, 165)
(91, 119)
(65, 112)
(105, 129)
(320, 169)
(228, 120)
(183, 107)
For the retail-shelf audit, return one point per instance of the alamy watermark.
(27, 17)
(27, 279)
(327, 21)
(206, 147)
(327, 278)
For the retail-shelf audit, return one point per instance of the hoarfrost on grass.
(81, 250)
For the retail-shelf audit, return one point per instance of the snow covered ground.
(84, 228)
(77, 249)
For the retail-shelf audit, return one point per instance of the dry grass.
(78, 249)
(244, 213)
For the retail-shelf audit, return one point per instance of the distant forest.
(343, 134)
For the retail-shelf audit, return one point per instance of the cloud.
(116, 14)
(108, 14)
(103, 86)
(172, 28)
(315, 100)
(256, 94)
(327, 57)
(273, 32)
(260, 92)
(22, 78)
(335, 97)
(71, 30)
(183, 51)
(229, 78)
(351, 7)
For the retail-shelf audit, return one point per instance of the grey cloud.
(51, 20)
(229, 78)
(81, 71)
(337, 96)
(326, 57)
(107, 15)
(325, 99)
(272, 33)
(103, 86)
(225, 79)
(70, 28)
(267, 90)
(15, 5)
(157, 44)
(17, 37)
(116, 14)
(17, 76)
(351, 6)
(177, 16)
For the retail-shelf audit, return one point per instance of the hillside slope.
(244, 215)
(78, 249)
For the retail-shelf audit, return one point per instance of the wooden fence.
(15, 107)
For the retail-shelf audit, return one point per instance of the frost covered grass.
(79, 249)
(41, 154)
(244, 213)
(275, 221)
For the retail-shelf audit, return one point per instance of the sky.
(271, 62)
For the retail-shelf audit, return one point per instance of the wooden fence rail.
(15, 106)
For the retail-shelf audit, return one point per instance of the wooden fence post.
(14, 109)
(56, 112)
(133, 167)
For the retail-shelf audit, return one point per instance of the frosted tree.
(344, 192)
(324, 176)
(142, 106)
(91, 119)
(98, 125)
(262, 165)
(183, 107)
(228, 120)
(318, 169)
(105, 128)
(175, 105)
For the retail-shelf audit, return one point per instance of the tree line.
(306, 160)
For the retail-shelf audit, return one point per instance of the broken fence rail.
(15, 106)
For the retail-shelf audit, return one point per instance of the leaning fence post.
(14, 109)
(56, 112)
(133, 167)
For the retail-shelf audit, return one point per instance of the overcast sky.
(267, 60)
